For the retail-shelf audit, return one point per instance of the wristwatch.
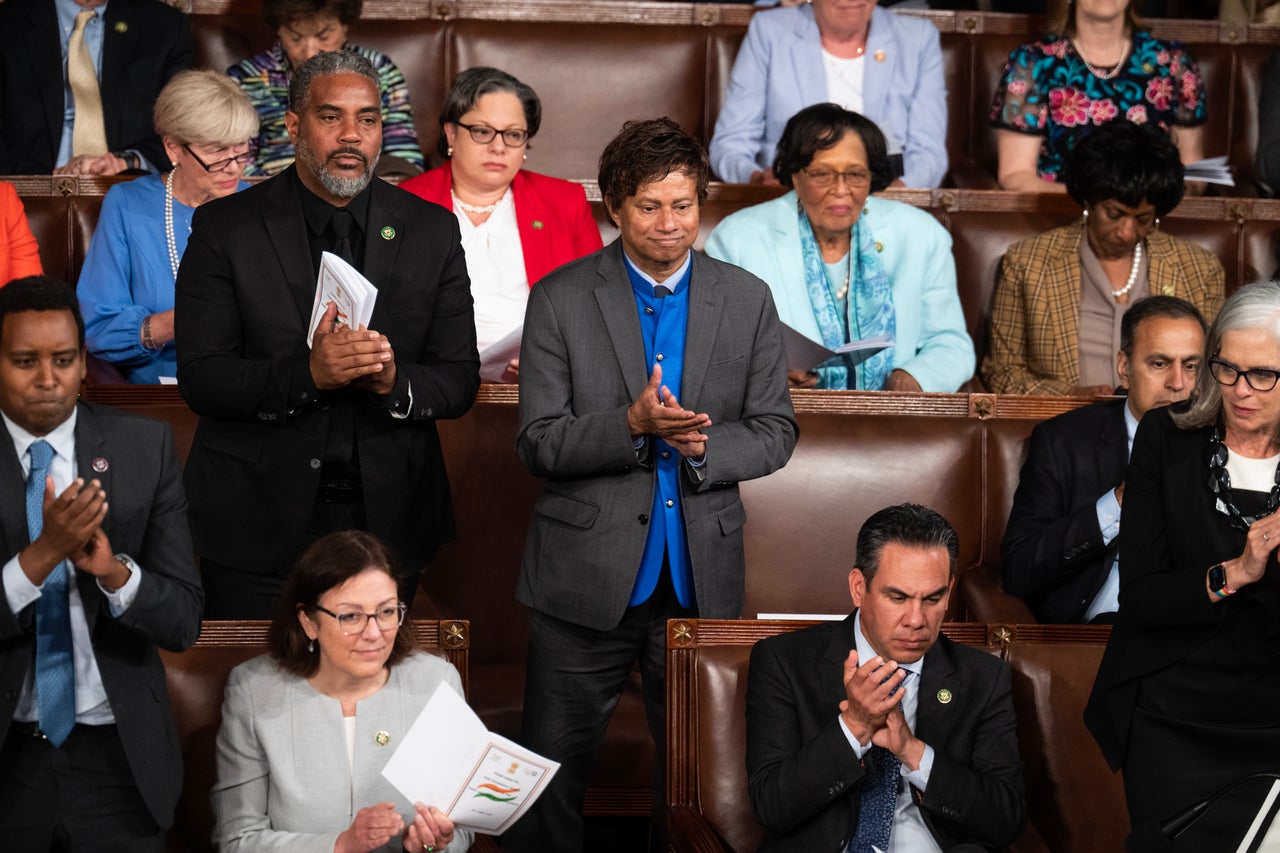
(1218, 581)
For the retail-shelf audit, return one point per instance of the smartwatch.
(1218, 581)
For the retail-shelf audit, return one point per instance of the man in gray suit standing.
(652, 382)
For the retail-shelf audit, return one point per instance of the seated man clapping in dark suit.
(1059, 550)
(879, 733)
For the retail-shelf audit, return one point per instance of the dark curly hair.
(1130, 163)
(40, 293)
(648, 151)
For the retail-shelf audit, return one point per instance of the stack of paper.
(343, 285)
(805, 354)
(1211, 170)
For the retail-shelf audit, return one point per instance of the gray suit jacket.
(582, 363)
(283, 780)
(147, 519)
(806, 780)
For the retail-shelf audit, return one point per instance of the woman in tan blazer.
(1055, 319)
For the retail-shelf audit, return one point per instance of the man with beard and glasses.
(294, 442)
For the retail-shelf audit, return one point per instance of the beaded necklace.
(1220, 485)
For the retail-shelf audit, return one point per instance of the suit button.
(306, 396)
(659, 356)
(315, 463)
(643, 519)
(666, 454)
(648, 310)
(670, 503)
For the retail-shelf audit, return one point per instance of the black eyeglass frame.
(339, 617)
(1215, 363)
(476, 131)
(219, 166)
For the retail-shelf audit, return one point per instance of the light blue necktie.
(879, 798)
(55, 669)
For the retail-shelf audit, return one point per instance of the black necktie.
(340, 226)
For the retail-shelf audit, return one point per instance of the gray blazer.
(283, 779)
(582, 363)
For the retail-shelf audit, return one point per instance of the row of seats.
(1074, 801)
(859, 451)
(1242, 233)
(597, 64)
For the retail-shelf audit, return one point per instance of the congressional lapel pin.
(944, 696)
(1166, 290)
(537, 225)
(879, 56)
(100, 465)
(879, 246)
(388, 233)
(121, 27)
(382, 738)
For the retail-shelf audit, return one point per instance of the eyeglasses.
(354, 622)
(824, 178)
(222, 165)
(514, 137)
(1258, 378)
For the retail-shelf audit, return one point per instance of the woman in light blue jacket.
(844, 266)
(885, 66)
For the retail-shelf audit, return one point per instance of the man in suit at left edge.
(296, 442)
(98, 571)
(134, 46)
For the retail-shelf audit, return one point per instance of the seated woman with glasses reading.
(844, 266)
(126, 285)
(308, 727)
(517, 225)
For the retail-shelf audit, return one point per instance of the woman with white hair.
(126, 286)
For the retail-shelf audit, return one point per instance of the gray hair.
(205, 108)
(322, 64)
(1254, 306)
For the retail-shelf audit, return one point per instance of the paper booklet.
(805, 354)
(481, 780)
(1211, 170)
(343, 285)
(494, 359)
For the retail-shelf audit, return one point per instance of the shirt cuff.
(19, 591)
(119, 601)
(395, 409)
(1108, 510)
(858, 749)
(919, 778)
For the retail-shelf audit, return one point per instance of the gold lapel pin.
(537, 225)
(879, 56)
(382, 738)
(388, 233)
(944, 696)
(879, 246)
(121, 27)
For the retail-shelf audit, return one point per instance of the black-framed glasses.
(824, 178)
(1257, 378)
(354, 621)
(221, 165)
(514, 137)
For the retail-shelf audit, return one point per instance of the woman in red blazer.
(19, 255)
(517, 226)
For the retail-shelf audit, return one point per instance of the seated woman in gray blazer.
(298, 768)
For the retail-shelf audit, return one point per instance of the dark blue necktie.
(879, 797)
(55, 668)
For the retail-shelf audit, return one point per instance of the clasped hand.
(72, 530)
(657, 412)
(871, 710)
(375, 825)
(341, 356)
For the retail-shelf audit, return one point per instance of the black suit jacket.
(146, 520)
(144, 43)
(244, 296)
(805, 779)
(1053, 556)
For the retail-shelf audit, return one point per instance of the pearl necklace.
(478, 209)
(1097, 72)
(168, 225)
(1133, 271)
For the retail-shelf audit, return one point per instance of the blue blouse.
(127, 277)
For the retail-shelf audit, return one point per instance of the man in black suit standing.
(78, 83)
(878, 732)
(1062, 540)
(98, 571)
(295, 442)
